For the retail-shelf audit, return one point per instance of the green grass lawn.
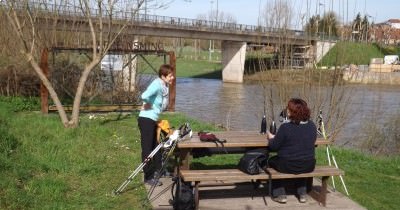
(45, 166)
(351, 53)
(187, 68)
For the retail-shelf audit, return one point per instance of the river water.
(240, 106)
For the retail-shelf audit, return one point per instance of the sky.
(248, 11)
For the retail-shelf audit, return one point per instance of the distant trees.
(277, 14)
(360, 28)
(325, 26)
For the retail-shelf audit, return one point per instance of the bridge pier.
(233, 58)
(322, 48)
(129, 71)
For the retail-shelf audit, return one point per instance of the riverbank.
(45, 166)
(367, 77)
(294, 76)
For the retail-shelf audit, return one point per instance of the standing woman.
(155, 100)
(295, 147)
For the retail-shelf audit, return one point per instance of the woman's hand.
(146, 106)
(270, 135)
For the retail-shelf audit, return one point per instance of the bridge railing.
(135, 17)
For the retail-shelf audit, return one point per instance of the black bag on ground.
(183, 196)
(253, 161)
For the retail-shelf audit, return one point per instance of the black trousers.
(290, 167)
(148, 131)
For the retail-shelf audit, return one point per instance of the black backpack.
(182, 196)
(253, 161)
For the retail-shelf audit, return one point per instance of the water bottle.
(263, 125)
(272, 128)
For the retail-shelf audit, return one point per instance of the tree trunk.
(47, 84)
(74, 122)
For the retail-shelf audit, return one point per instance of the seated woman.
(294, 143)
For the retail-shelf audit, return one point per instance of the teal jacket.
(154, 96)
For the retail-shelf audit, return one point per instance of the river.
(240, 106)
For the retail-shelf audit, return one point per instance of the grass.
(44, 166)
(187, 68)
(372, 181)
(351, 53)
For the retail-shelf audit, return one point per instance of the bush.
(385, 139)
(18, 104)
(389, 50)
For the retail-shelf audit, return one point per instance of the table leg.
(196, 195)
(184, 156)
(324, 190)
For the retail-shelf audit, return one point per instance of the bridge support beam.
(233, 57)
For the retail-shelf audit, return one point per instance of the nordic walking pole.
(321, 130)
(329, 151)
(171, 143)
(161, 171)
(137, 170)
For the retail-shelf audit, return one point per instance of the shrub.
(383, 139)
(18, 104)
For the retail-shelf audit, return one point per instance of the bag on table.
(210, 137)
(253, 161)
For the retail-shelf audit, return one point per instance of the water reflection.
(240, 106)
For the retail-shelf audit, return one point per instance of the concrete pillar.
(233, 57)
(322, 48)
(129, 70)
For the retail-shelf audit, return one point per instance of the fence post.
(172, 87)
(44, 93)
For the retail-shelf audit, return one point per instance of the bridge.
(234, 37)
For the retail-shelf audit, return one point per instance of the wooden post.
(324, 190)
(196, 195)
(44, 93)
(172, 87)
(185, 157)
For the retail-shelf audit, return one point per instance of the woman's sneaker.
(280, 199)
(153, 182)
(302, 198)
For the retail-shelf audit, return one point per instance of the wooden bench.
(229, 175)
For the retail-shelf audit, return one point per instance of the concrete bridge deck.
(234, 37)
(163, 26)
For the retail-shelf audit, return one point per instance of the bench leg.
(324, 190)
(196, 195)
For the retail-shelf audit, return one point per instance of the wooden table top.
(234, 139)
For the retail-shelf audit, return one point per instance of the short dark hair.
(164, 70)
(299, 110)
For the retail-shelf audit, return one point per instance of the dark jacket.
(295, 146)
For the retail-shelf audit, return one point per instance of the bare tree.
(39, 24)
(322, 89)
(328, 25)
(278, 14)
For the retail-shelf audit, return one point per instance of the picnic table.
(242, 140)
(234, 139)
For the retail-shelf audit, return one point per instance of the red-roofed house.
(394, 23)
(387, 32)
